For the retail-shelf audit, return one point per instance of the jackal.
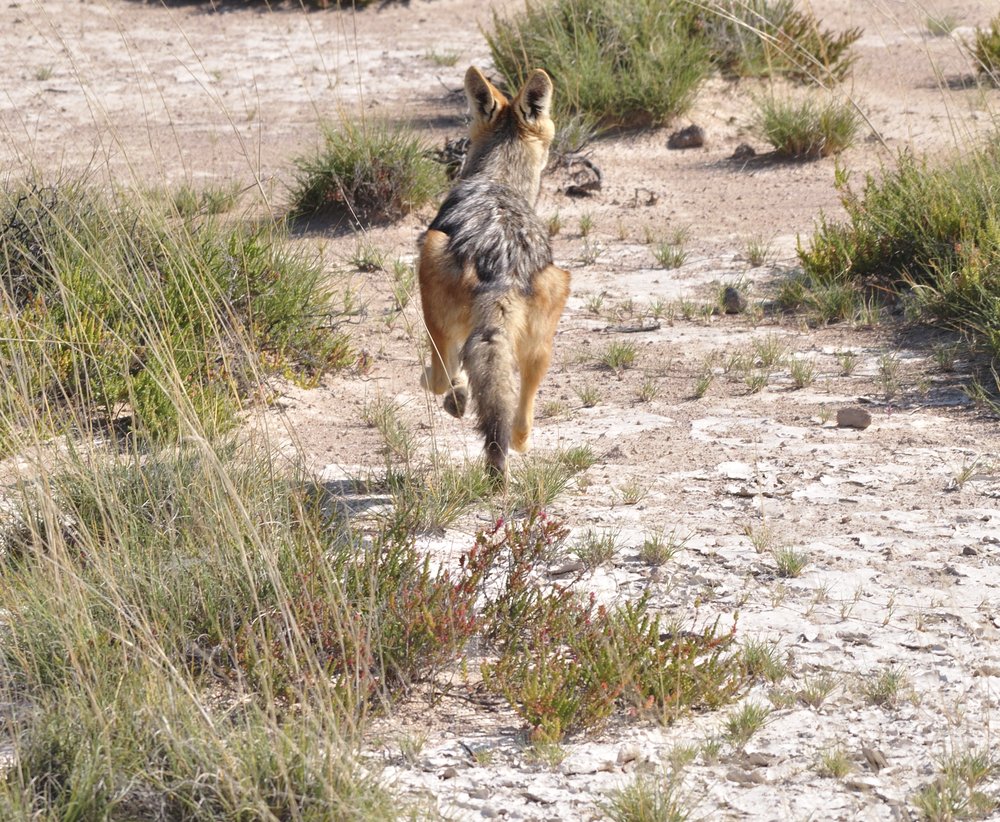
(490, 293)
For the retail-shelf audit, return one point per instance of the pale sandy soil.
(902, 571)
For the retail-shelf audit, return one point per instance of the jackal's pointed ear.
(535, 98)
(485, 100)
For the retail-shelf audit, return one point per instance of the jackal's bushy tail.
(489, 362)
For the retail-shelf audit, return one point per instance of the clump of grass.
(941, 26)
(803, 371)
(929, 231)
(648, 799)
(763, 660)
(884, 687)
(767, 38)
(670, 251)
(758, 250)
(537, 482)
(789, 561)
(114, 309)
(216, 199)
(577, 457)
(621, 62)
(618, 356)
(985, 50)
(368, 171)
(445, 58)
(834, 763)
(815, 690)
(658, 548)
(597, 547)
(955, 793)
(804, 128)
(744, 722)
(590, 395)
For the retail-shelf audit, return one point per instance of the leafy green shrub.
(111, 306)
(934, 231)
(565, 664)
(986, 50)
(371, 172)
(641, 62)
(766, 38)
(620, 62)
(805, 129)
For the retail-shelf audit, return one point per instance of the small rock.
(853, 417)
(584, 763)
(744, 151)
(874, 757)
(481, 793)
(571, 566)
(969, 551)
(626, 754)
(450, 772)
(489, 812)
(691, 137)
(732, 301)
(541, 796)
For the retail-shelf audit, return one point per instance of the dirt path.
(900, 522)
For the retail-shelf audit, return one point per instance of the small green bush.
(931, 230)
(112, 305)
(619, 62)
(566, 664)
(641, 62)
(804, 129)
(767, 38)
(986, 50)
(370, 172)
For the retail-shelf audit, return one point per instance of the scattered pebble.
(691, 137)
(853, 417)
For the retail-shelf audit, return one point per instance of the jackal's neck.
(512, 160)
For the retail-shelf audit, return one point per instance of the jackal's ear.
(485, 100)
(535, 97)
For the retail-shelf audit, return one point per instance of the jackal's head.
(509, 139)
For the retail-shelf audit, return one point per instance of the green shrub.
(804, 129)
(620, 62)
(369, 172)
(986, 50)
(766, 38)
(565, 663)
(931, 230)
(641, 62)
(113, 306)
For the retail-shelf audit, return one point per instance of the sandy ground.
(900, 522)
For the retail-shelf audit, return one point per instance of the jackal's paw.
(456, 401)
(520, 440)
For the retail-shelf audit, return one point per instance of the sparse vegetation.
(115, 311)
(648, 799)
(768, 38)
(618, 356)
(985, 50)
(884, 687)
(621, 62)
(744, 722)
(804, 128)
(928, 231)
(368, 172)
(834, 763)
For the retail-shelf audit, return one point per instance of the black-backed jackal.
(490, 293)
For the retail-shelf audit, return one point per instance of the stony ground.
(899, 523)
